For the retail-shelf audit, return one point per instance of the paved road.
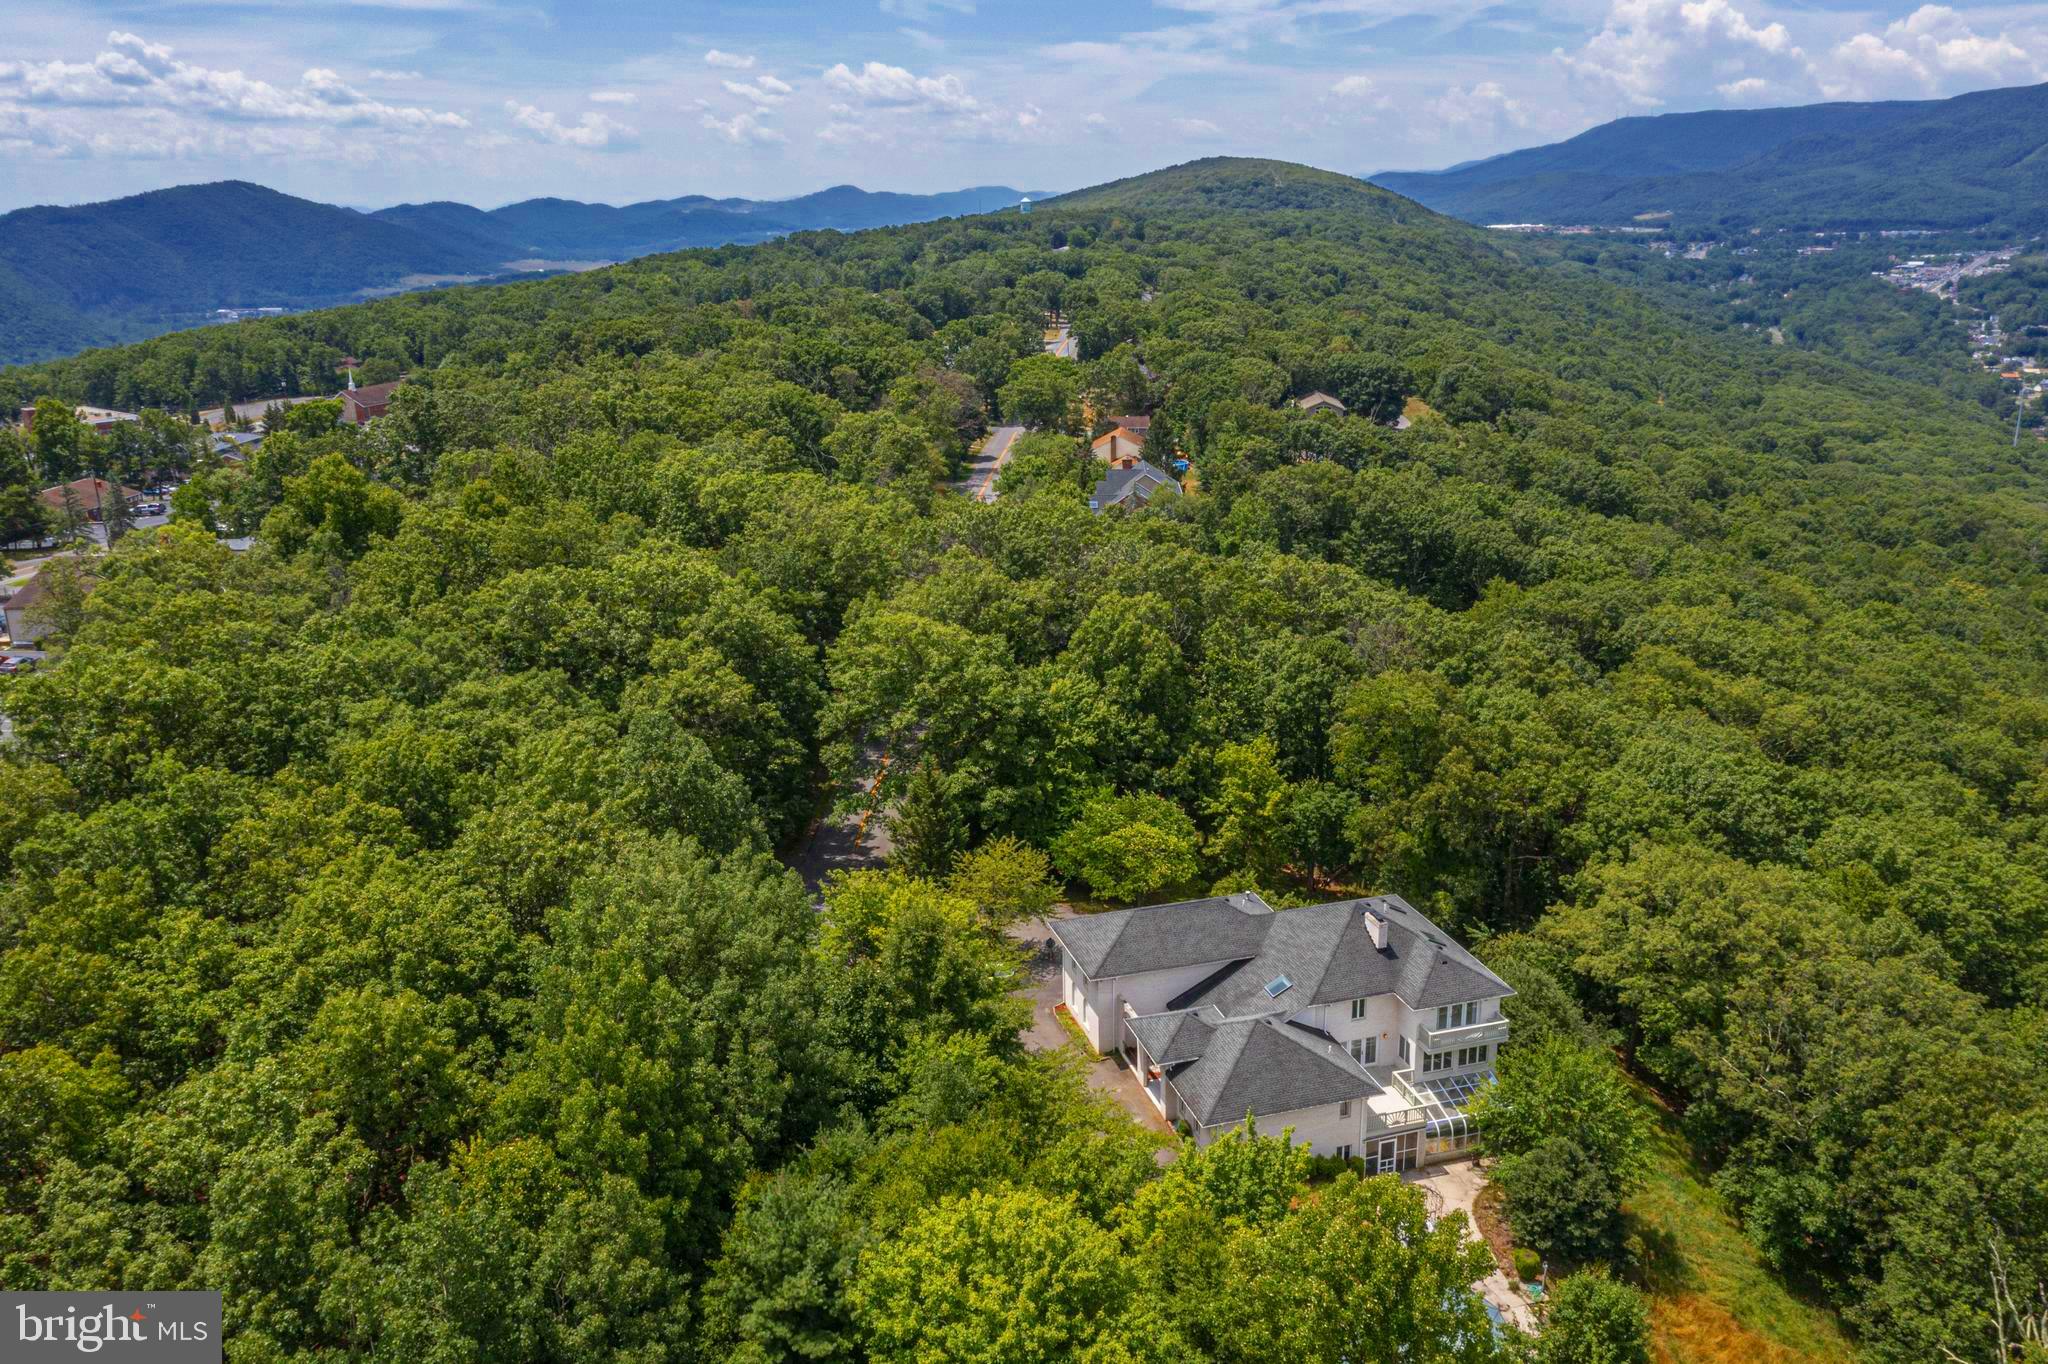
(844, 842)
(1064, 346)
(980, 483)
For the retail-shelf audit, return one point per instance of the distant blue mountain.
(1970, 161)
(131, 268)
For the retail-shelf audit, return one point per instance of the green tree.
(1042, 392)
(1009, 1277)
(1594, 1320)
(1355, 1272)
(1248, 809)
(1561, 1201)
(62, 443)
(1005, 878)
(1559, 1088)
(332, 507)
(927, 825)
(1129, 847)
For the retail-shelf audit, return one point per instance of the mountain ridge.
(76, 276)
(1964, 162)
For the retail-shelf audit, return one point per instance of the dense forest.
(394, 937)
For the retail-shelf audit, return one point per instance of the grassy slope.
(1712, 1299)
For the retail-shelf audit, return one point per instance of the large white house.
(1360, 1025)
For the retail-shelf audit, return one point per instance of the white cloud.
(1748, 90)
(765, 91)
(134, 73)
(731, 61)
(1353, 87)
(613, 97)
(882, 85)
(1651, 51)
(593, 131)
(1933, 50)
(1197, 127)
(383, 76)
(1485, 109)
(743, 127)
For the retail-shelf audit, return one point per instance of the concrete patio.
(1453, 1188)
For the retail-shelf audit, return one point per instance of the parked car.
(10, 665)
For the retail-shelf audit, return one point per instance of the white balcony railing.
(1470, 1035)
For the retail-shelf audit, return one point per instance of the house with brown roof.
(1123, 444)
(92, 495)
(361, 406)
(1320, 401)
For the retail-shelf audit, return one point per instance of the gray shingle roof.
(1218, 929)
(1255, 1065)
(1170, 1039)
(1136, 484)
(1325, 950)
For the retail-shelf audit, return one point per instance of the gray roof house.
(1358, 1025)
(1130, 487)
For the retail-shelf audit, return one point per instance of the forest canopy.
(395, 938)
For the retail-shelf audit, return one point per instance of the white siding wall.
(1146, 992)
(1320, 1129)
(1382, 1022)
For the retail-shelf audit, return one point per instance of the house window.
(1358, 1008)
(1344, 1109)
(1366, 1050)
(1433, 1061)
(1472, 1056)
(1404, 1049)
(1457, 1015)
(1344, 1151)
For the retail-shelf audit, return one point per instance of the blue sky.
(490, 101)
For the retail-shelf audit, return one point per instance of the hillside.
(400, 917)
(151, 262)
(1974, 160)
(1226, 183)
(130, 268)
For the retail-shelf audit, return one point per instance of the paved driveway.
(1452, 1188)
(1111, 1075)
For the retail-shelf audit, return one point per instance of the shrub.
(1528, 1264)
(1322, 1169)
(1594, 1320)
(1561, 1201)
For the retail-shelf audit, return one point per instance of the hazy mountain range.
(130, 268)
(1975, 160)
